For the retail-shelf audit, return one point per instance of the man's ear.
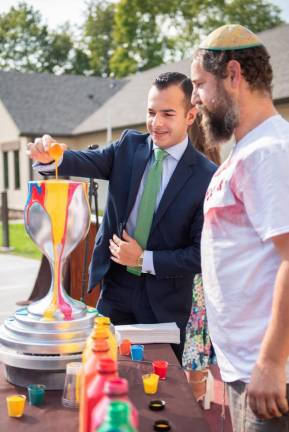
(234, 73)
(191, 115)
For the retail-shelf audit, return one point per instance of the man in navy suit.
(162, 289)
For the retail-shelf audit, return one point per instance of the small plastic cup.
(55, 151)
(71, 391)
(36, 393)
(124, 348)
(16, 405)
(160, 368)
(150, 383)
(136, 352)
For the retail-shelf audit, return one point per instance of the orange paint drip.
(56, 151)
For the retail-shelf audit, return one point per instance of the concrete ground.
(17, 277)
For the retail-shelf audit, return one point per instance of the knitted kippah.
(230, 37)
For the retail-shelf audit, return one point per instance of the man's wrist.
(272, 361)
(47, 163)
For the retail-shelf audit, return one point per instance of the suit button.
(149, 272)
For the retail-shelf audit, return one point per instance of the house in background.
(82, 110)
(33, 104)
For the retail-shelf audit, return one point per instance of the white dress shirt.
(169, 165)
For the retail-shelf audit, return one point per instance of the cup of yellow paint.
(150, 383)
(15, 405)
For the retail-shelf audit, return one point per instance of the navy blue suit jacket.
(177, 224)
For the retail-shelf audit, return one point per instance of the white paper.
(149, 333)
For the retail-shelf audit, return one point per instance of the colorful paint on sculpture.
(55, 197)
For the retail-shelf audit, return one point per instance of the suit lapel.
(140, 161)
(180, 176)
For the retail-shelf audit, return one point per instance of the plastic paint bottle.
(117, 418)
(115, 389)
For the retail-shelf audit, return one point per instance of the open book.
(149, 333)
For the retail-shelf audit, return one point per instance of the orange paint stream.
(56, 151)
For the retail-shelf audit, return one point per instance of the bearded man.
(245, 240)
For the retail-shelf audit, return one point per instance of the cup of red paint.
(160, 368)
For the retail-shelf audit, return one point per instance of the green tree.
(58, 47)
(139, 41)
(147, 33)
(98, 36)
(198, 18)
(124, 36)
(22, 39)
(26, 44)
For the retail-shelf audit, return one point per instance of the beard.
(219, 122)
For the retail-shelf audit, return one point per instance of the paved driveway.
(17, 277)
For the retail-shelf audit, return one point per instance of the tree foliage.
(26, 44)
(149, 32)
(22, 39)
(98, 35)
(139, 43)
(198, 18)
(122, 37)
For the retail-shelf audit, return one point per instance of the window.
(16, 169)
(5, 170)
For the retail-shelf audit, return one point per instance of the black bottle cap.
(157, 405)
(162, 425)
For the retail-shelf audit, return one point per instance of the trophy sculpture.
(39, 340)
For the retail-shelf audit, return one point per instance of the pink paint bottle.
(106, 370)
(115, 389)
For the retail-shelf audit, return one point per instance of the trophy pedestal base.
(53, 380)
(23, 369)
(35, 351)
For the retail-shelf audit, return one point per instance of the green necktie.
(148, 203)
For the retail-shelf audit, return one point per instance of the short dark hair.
(255, 65)
(167, 79)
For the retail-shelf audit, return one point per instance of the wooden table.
(76, 269)
(181, 409)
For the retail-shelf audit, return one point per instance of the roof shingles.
(72, 105)
(43, 102)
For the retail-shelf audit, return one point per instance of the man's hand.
(267, 391)
(125, 251)
(39, 149)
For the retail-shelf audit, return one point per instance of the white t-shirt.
(247, 203)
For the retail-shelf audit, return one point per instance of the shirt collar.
(177, 150)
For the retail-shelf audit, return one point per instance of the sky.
(56, 12)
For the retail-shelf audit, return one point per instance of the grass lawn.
(21, 242)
